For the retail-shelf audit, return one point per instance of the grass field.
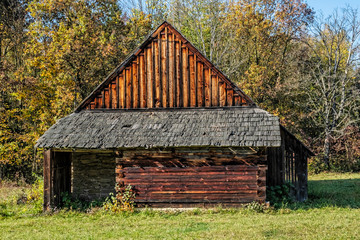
(332, 212)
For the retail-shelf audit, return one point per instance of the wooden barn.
(170, 124)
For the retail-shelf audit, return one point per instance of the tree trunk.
(327, 149)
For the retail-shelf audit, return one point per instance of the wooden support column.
(48, 191)
(261, 183)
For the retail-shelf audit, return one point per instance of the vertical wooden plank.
(160, 70)
(107, 98)
(149, 78)
(196, 79)
(215, 88)
(142, 82)
(103, 98)
(138, 80)
(174, 70)
(121, 90)
(185, 74)
(110, 94)
(134, 96)
(129, 87)
(222, 88)
(192, 67)
(200, 84)
(164, 77)
(179, 79)
(98, 103)
(237, 100)
(230, 97)
(124, 86)
(135, 91)
(128, 77)
(158, 96)
(113, 94)
(243, 101)
(167, 67)
(117, 92)
(207, 85)
(170, 66)
(47, 179)
(153, 83)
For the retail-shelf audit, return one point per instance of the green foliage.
(68, 202)
(317, 165)
(122, 201)
(34, 196)
(52, 55)
(280, 194)
(28, 201)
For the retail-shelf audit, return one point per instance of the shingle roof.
(164, 128)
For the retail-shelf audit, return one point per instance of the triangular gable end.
(166, 71)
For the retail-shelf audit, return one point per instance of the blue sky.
(328, 6)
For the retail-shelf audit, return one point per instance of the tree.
(263, 45)
(330, 76)
(66, 48)
(13, 23)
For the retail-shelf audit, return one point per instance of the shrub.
(280, 194)
(255, 207)
(34, 195)
(122, 201)
(73, 203)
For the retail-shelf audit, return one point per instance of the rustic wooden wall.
(93, 175)
(162, 177)
(288, 163)
(167, 72)
(188, 177)
(171, 186)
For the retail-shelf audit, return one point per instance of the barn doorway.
(61, 175)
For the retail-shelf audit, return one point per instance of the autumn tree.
(330, 79)
(265, 35)
(13, 23)
(69, 48)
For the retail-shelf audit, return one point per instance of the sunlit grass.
(332, 212)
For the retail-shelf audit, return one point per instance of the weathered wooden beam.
(48, 195)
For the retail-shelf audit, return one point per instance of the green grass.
(332, 212)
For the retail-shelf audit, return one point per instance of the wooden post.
(48, 157)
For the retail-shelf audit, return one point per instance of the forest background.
(294, 63)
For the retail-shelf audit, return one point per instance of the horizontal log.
(208, 185)
(185, 174)
(222, 198)
(188, 179)
(194, 169)
(207, 193)
(249, 183)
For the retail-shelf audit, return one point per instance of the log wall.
(227, 185)
(189, 177)
(178, 177)
(166, 72)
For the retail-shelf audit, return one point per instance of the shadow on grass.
(332, 193)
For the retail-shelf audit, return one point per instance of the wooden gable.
(166, 71)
